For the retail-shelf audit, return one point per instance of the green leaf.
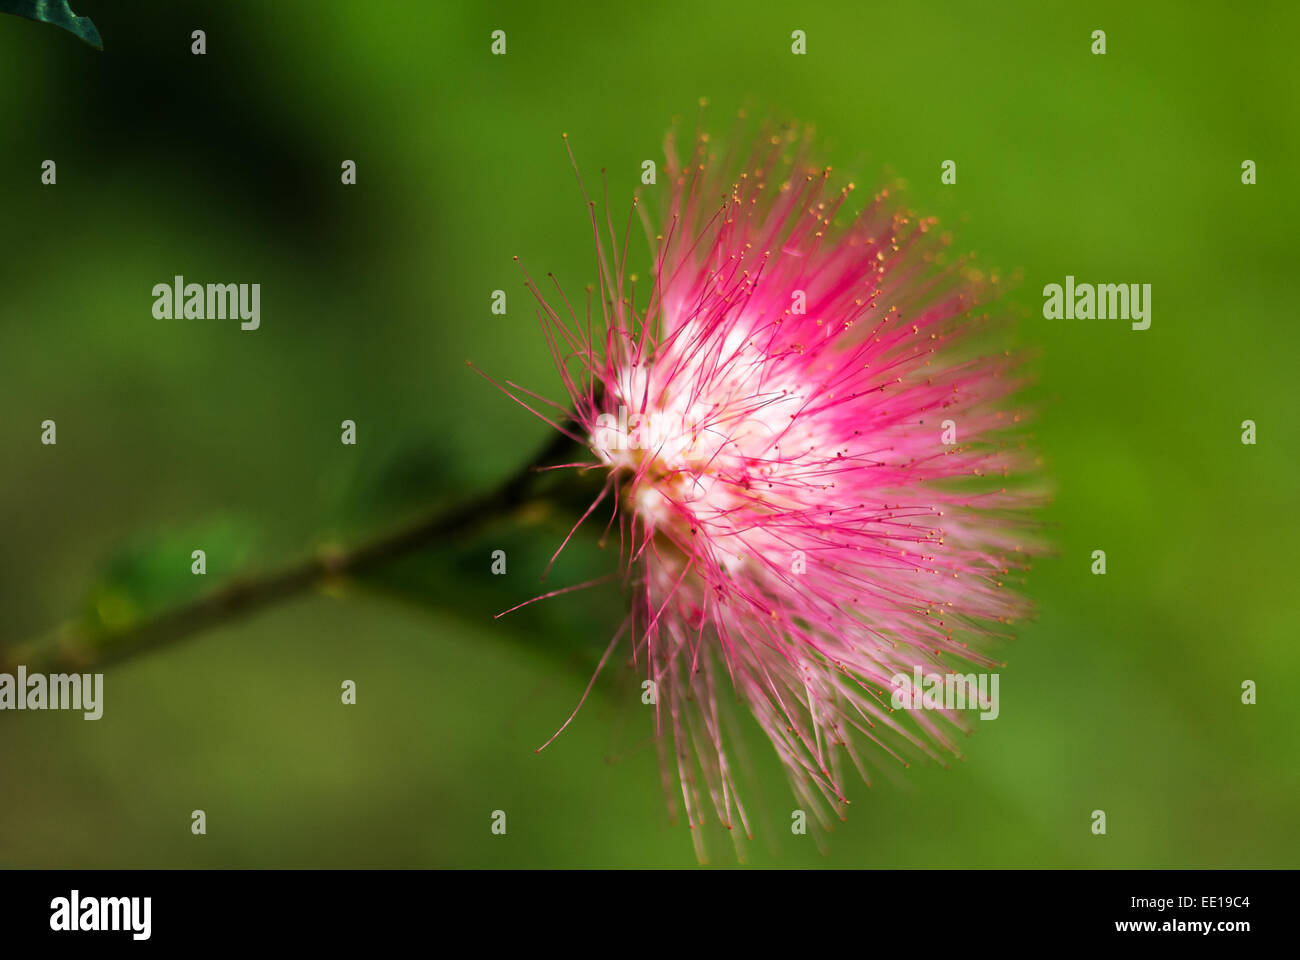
(58, 13)
(456, 576)
(150, 574)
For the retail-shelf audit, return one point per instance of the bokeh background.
(1123, 694)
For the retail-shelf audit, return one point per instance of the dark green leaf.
(149, 574)
(58, 13)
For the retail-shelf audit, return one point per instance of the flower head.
(807, 464)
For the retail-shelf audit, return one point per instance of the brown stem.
(242, 597)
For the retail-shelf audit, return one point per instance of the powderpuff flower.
(812, 472)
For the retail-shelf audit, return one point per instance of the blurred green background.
(1123, 695)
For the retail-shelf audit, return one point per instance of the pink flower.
(807, 464)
